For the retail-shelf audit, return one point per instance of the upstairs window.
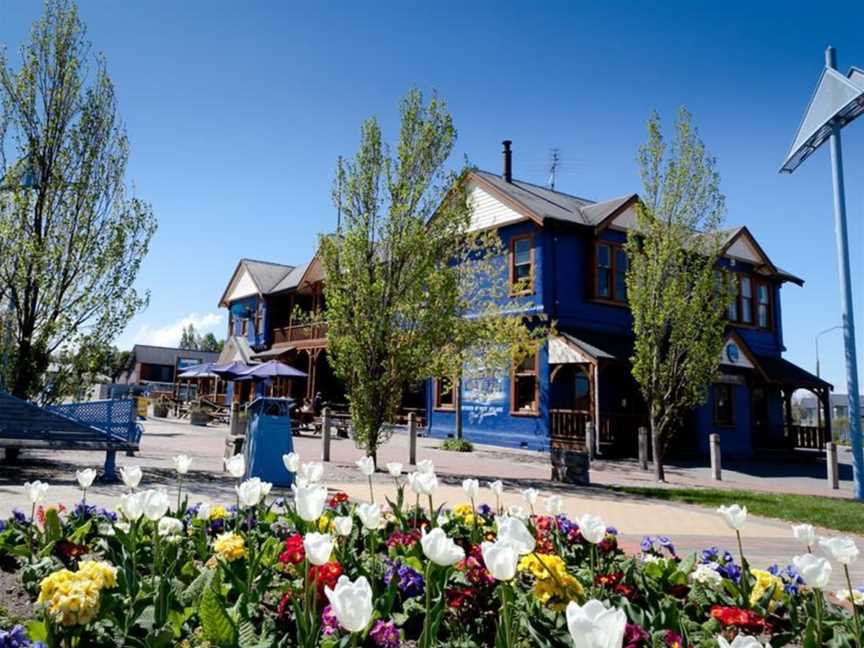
(610, 269)
(259, 320)
(444, 396)
(763, 305)
(745, 295)
(750, 292)
(522, 265)
(724, 409)
(525, 392)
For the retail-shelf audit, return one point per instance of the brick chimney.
(508, 162)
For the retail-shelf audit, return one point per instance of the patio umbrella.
(229, 370)
(271, 369)
(198, 371)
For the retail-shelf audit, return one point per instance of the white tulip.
(424, 483)
(516, 511)
(740, 641)
(370, 515)
(513, 531)
(85, 477)
(36, 491)
(471, 488)
(120, 524)
(816, 572)
(156, 504)
(236, 466)
(204, 510)
(805, 534)
(131, 476)
(266, 487)
(309, 501)
(501, 559)
(554, 505)
(169, 526)
(440, 549)
(735, 516)
(249, 492)
(366, 466)
(343, 525)
(351, 603)
(497, 488)
(291, 461)
(132, 505)
(425, 466)
(592, 528)
(842, 549)
(856, 597)
(705, 575)
(530, 495)
(593, 625)
(182, 463)
(318, 547)
(394, 468)
(310, 473)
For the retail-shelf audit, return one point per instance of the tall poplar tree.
(73, 238)
(678, 295)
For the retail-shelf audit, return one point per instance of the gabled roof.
(292, 279)
(264, 274)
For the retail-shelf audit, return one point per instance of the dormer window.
(610, 270)
(751, 291)
(522, 265)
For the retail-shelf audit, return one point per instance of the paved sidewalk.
(692, 528)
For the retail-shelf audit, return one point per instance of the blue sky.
(237, 112)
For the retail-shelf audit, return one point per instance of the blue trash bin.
(268, 437)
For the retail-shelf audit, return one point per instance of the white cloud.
(169, 334)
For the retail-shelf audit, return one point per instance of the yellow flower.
(553, 585)
(218, 512)
(326, 524)
(465, 514)
(72, 598)
(765, 581)
(230, 546)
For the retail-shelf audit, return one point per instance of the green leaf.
(216, 624)
(194, 590)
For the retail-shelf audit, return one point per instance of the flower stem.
(817, 598)
(427, 624)
(371, 492)
(505, 615)
(431, 514)
(857, 618)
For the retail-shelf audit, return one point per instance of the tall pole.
(818, 375)
(846, 299)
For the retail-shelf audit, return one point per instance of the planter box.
(199, 418)
(570, 466)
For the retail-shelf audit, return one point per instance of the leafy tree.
(677, 294)
(208, 342)
(189, 338)
(73, 372)
(72, 237)
(396, 291)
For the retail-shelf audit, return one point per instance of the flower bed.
(320, 570)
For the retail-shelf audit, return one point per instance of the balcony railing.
(299, 332)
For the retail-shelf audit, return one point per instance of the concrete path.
(692, 528)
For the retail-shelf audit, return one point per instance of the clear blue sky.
(237, 112)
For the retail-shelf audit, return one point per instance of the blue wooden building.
(565, 260)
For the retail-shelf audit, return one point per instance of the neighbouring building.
(159, 366)
(565, 260)
(812, 414)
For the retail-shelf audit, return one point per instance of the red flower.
(679, 591)
(674, 640)
(746, 620)
(404, 539)
(338, 498)
(284, 605)
(460, 597)
(608, 544)
(627, 591)
(294, 552)
(69, 551)
(474, 567)
(325, 576)
(609, 581)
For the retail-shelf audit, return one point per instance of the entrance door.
(761, 432)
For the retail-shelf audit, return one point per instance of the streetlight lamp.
(837, 101)
(818, 410)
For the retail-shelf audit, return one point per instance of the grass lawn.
(828, 512)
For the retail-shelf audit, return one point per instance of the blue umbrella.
(229, 370)
(271, 369)
(198, 371)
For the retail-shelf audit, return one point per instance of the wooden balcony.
(300, 332)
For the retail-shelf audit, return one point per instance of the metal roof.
(149, 354)
(290, 280)
(266, 274)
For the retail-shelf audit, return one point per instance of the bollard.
(325, 434)
(714, 446)
(643, 447)
(412, 439)
(589, 439)
(833, 468)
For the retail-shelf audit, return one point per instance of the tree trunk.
(657, 451)
(457, 400)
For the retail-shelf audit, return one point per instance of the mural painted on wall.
(484, 394)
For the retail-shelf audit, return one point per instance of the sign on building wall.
(484, 393)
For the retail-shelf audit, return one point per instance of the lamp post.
(818, 410)
(837, 101)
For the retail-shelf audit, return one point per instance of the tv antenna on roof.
(554, 163)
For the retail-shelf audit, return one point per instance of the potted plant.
(160, 407)
(198, 414)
